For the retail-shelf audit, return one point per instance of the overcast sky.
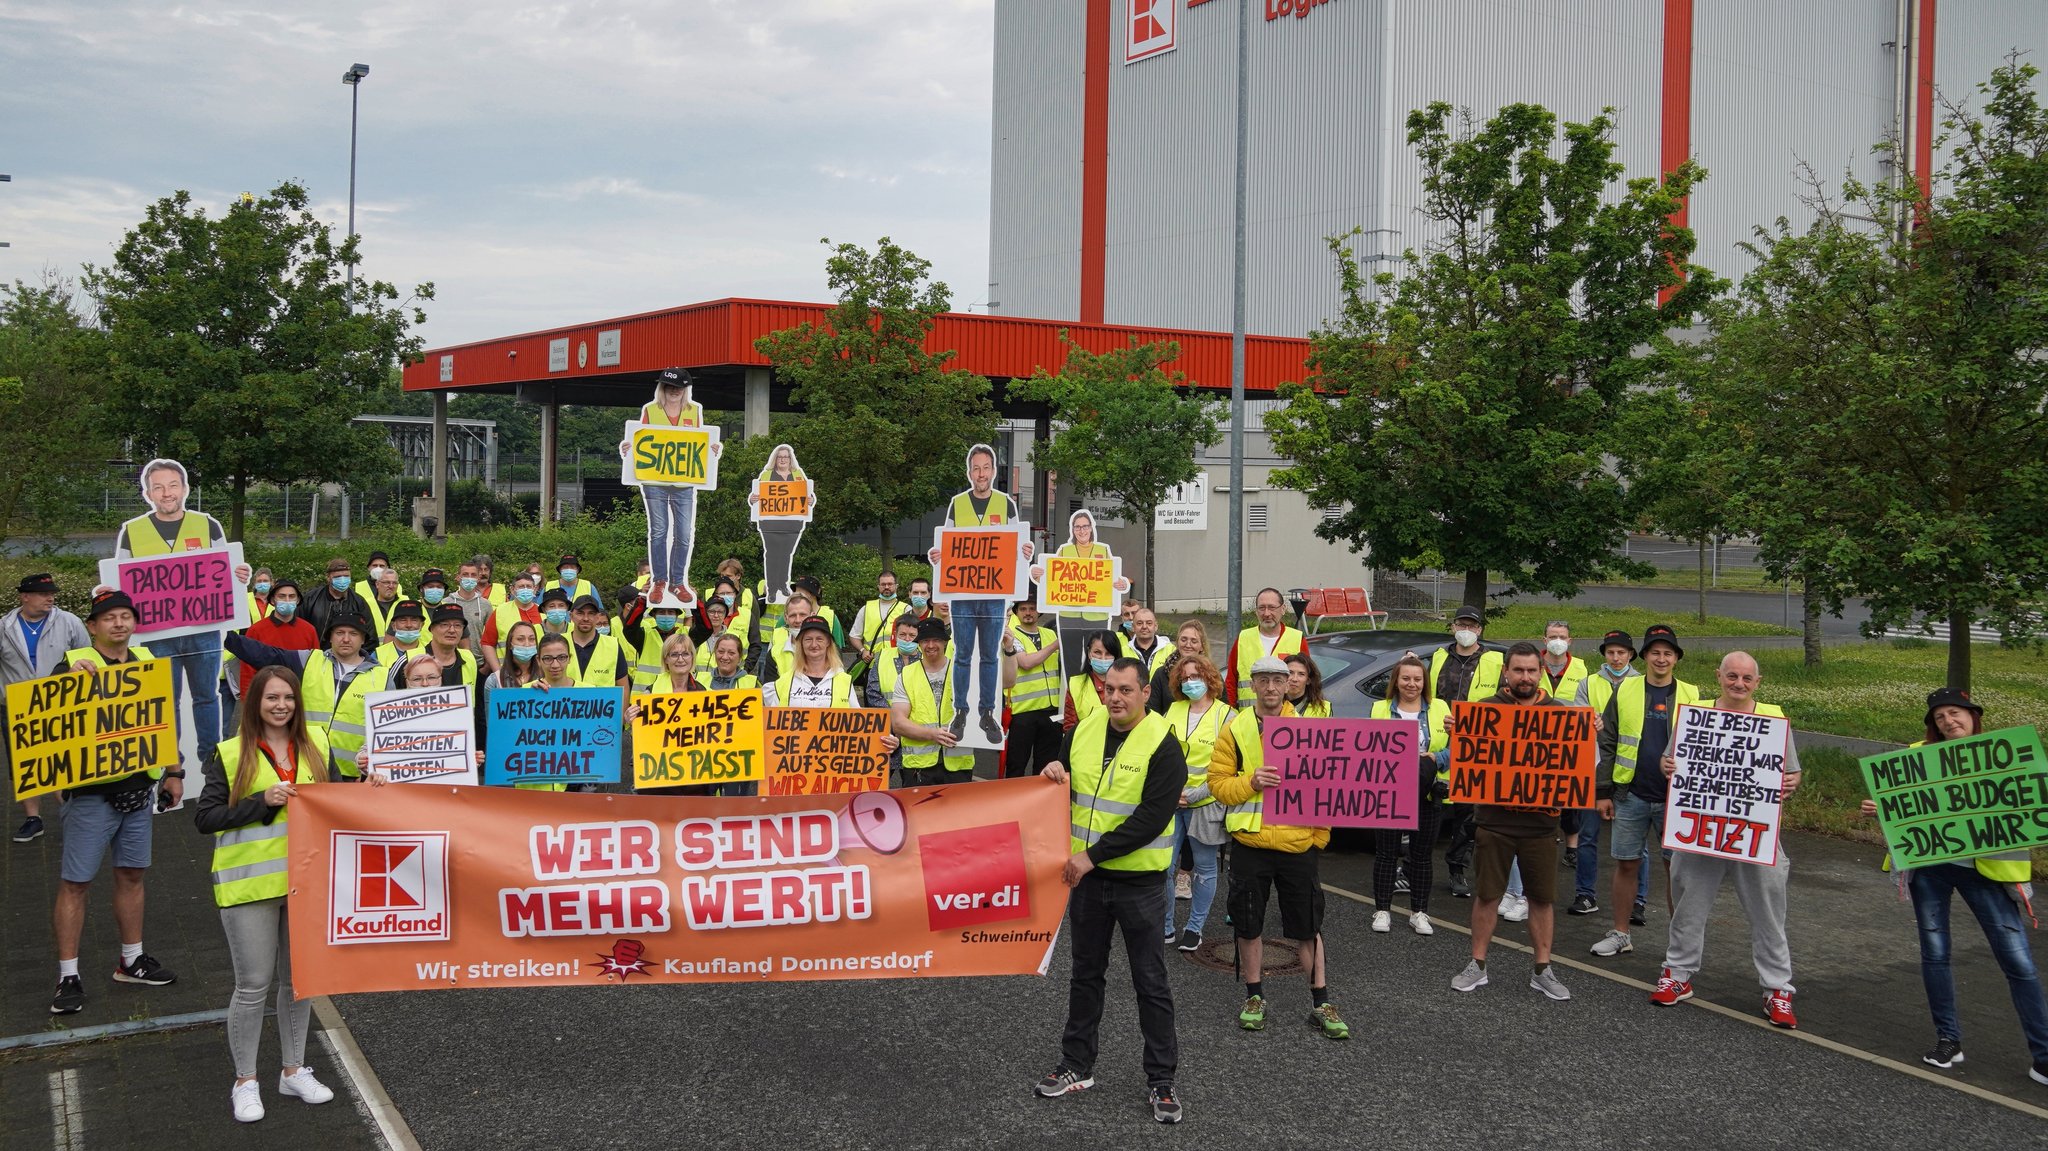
(541, 164)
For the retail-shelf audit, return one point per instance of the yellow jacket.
(1231, 783)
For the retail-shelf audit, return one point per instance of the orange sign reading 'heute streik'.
(427, 887)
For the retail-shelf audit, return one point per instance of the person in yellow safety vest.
(779, 653)
(1760, 889)
(521, 668)
(1084, 691)
(1459, 670)
(1125, 774)
(628, 613)
(810, 586)
(445, 648)
(1635, 729)
(977, 620)
(1563, 672)
(923, 704)
(1034, 699)
(1144, 644)
(1997, 889)
(599, 661)
(1190, 638)
(407, 637)
(380, 564)
(724, 674)
(875, 622)
(1197, 717)
(1305, 686)
(98, 816)
(556, 655)
(335, 681)
(677, 667)
(743, 603)
(569, 577)
(260, 583)
(816, 676)
(486, 579)
(1408, 698)
(649, 635)
(245, 805)
(1617, 663)
(1270, 638)
(1269, 856)
(521, 603)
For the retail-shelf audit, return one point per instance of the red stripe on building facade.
(1095, 160)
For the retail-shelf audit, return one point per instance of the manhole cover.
(1280, 958)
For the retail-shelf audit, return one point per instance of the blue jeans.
(671, 530)
(978, 627)
(195, 667)
(1999, 915)
(1207, 856)
(1589, 860)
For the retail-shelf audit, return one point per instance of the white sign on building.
(1185, 508)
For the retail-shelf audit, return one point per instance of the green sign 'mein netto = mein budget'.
(1963, 798)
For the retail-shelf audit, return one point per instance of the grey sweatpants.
(262, 952)
(1696, 880)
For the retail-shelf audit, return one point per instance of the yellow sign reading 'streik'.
(86, 727)
(677, 457)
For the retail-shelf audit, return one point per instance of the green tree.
(1678, 470)
(239, 345)
(50, 371)
(1132, 428)
(889, 422)
(1899, 375)
(1461, 409)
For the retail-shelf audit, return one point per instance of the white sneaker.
(1382, 922)
(1420, 922)
(248, 1102)
(302, 1084)
(1514, 908)
(1614, 943)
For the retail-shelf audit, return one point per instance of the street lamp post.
(354, 79)
(5, 178)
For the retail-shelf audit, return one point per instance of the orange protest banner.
(1516, 756)
(782, 500)
(1078, 584)
(397, 889)
(819, 750)
(979, 563)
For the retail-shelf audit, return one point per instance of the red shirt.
(298, 635)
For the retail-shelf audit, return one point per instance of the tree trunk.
(888, 548)
(1151, 572)
(1809, 621)
(238, 501)
(1959, 650)
(1702, 617)
(1475, 589)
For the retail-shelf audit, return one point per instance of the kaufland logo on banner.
(1149, 31)
(388, 887)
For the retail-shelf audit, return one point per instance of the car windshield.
(1331, 662)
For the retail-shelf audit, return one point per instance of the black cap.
(409, 609)
(108, 601)
(587, 601)
(554, 595)
(933, 628)
(434, 575)
(1661, 633)
(1470, 611)
(569, 561)
(37, 584)
(375, 556)
(815, 624)
(808, 583)
(627, 594)
(1622, 638)
(444, 612)
(348, 619)
(282, 584)
(1949, 697)
(674, 377)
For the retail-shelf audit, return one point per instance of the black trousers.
(1034, 742)
(1458, 854)
(1386, 857)
(1096, 909)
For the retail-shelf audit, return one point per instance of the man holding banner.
(1759, 887)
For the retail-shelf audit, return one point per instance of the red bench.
(1343, 602)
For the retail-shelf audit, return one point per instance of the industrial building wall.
(1035, 166)
(1972, 37)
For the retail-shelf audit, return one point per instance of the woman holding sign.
(780, 529)
(1432, 719)
(678, 668)
(1994, 887)
(244, 807)
(1197, 716)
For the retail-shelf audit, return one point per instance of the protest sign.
(979, 563)
(1727, 785)
(694, 738)
(1342, 772)
(674, 457)
(440, 887)
(781, 505)
(421, 735)
(817, 750)
(1980, 795)
(85, 727)
(1521, 756)
(1080, 585)
(562, 735)
(183, 593)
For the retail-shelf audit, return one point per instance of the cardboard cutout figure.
(188, 584)
(669, 453)
(1084, 584)
(978, 568)
(780, 505)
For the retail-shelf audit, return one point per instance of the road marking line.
(1985, 1094)
(391, 1126)
(67, 1113)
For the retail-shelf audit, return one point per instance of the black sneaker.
(1947, 1053)
(1060, 1080)
(2038, 1072)
(1570, 859)
(1165, 1108)
(1582, 905)
(31, 829)
(1639, 915)
(1190, 940)
(70, 998)
(1401, 881)
(958, 727)
(991, 728)
(146, 971)
(1460, 885)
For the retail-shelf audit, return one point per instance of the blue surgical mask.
(886, 596)
(919, 600)
(1129, 625)
(523, 652)
(468, 583)
(1194, 689)
(1100, 666)
(665, 623)
(557, 616)
(261, 587)
(405, 634)
(604, 629)
(284, 610)
(523, 595)
(340, 582)
(433, 595)
(906, 647)
(727, 597)
(568, 576)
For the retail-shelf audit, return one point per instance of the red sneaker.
(1671, 992)
(1778, 1009)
